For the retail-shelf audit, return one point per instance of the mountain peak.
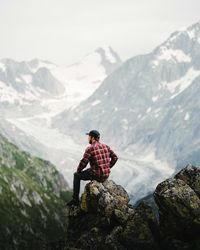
(7, 60)
(102, 56)
(36, 63)
(108, 53)
(195, 25)
(193, 31)
(177, 47)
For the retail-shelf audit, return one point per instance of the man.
(101, 158)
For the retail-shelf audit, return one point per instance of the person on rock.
(101, 157)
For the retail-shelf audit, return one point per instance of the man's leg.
(78, 176)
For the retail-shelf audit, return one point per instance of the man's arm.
(113, 157)
(84, 161)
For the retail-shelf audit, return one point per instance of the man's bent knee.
(76, 175)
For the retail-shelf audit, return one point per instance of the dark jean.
(78, 176)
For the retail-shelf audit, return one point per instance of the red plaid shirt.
(98, 154)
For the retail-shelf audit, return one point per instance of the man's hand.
(113, 157)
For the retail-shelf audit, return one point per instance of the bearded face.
(90, 139)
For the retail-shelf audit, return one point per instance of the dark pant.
(78, 176)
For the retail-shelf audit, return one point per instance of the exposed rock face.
(141, 229)
(104, 197)
(191, 176)
(178, 200)
(105, 219)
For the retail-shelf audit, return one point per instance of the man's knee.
(76, 175)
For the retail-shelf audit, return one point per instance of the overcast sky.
(63, 31)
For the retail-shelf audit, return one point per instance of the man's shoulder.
(88, 148)
(93, 146)
(105, 145)
(99, 145)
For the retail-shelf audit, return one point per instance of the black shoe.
(73, 202)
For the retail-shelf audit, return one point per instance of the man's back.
(99, 155)
(100, 159)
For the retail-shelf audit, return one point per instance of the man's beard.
(90, 141)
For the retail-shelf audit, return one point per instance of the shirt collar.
(95, 142)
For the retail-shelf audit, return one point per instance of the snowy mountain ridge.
(40, 83)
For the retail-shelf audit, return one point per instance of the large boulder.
(104, 197)
(179, 208)
(106, 220)
(141, 230)
(190, 175)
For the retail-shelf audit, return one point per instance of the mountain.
(32, 197)
(82, 78)
(24, 85)
(150, 103)
(37, 86)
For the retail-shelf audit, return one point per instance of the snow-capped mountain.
(20, 81)
(149, 103)
(83, 78)
(39, 86)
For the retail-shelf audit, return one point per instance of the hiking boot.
(73, 202)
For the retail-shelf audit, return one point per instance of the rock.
(104, 197)
(120, 216)
(140, 229)
(179, 208)
(98, 220)
(111, 241)
(190, 175)
(106, 220)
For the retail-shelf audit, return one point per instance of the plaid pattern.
(98, 154)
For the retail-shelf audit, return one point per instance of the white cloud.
(64, 31)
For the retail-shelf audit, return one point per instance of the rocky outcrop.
(105, 219)
(178, 200)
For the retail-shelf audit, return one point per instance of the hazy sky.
(63, 31)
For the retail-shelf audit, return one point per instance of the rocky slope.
(106, 220)
(32, 197)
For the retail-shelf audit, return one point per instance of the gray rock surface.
(105, 219)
